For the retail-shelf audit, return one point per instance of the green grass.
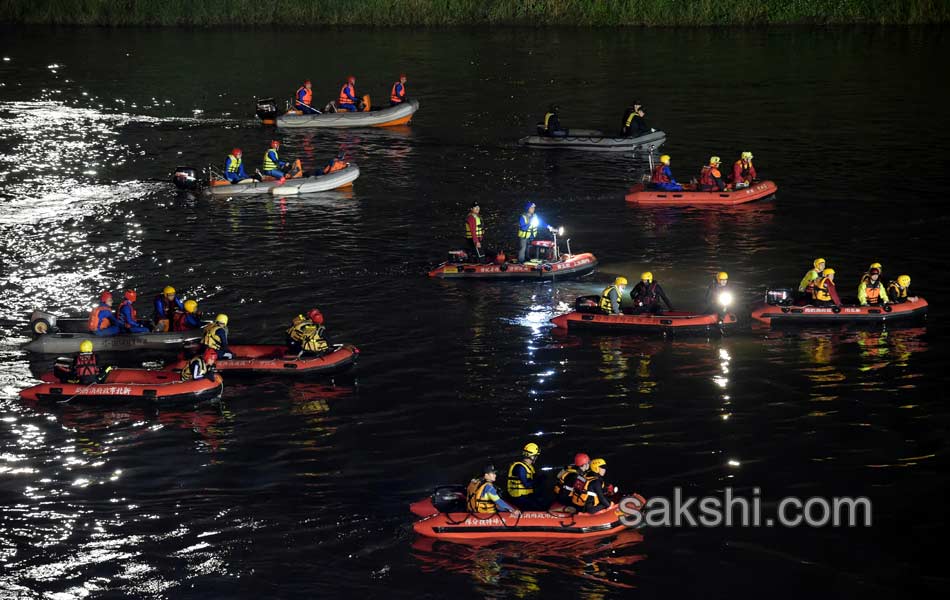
(473, 12)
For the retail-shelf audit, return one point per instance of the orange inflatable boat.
(128, 384)
(273, 359)
(639, 194)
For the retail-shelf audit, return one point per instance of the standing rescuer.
(528, 224)
(398, 94)
(474, 231)
(482, 497)
(610, 297)
(522, 484)
(743, 173)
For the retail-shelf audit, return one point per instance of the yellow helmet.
(620, 281)
(714, 160)
(222, 319)
(190, 306)
(665, 159)
(818, 261)
(722, 275)
(597, 463)
(903, 280)
(169, 290)
(827, 272)
(298, 320)
(531, 449)
(646, 276)
(746, 155)
(876, 266)
(85, 346)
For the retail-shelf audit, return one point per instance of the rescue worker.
(710, 179)
(474, 231)
(234, 167)
(102, 321)
(807, 284)
(719, 294)
(128, 317)
(662, 178)
(897, 290)
(166, 305)
(743, 173)
(867, 274)
(398, 94)
(304, 336)
(336, 163)
(481, 496)
(627, 120)
(200, 365)
(636, 124)
(647, 294)
(347, 100)
(216, 337)
(871, 292)
(825, 293)
(522, 481)
(593, 495)
(551, 126)
(304, 99)
(568, 476)
(610, 297)
(273, 165)
(186, 319)
(85, 369)
(527, 230)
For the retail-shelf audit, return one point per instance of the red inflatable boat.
(778, 314)
(669, 322)
(639, 194)
(128, 384)
(273, 359)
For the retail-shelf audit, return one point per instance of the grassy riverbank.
(473, 12)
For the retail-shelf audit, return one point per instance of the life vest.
(212, 337)
(344, 99)
(743, 169)
(474, 500)
(178, 321)
(269, 164)
(629, 119)
(336, 165)
(307, 334)
(94, 323)
(872, 292)
(86, 367)
(531, 231)
(808, 282)
(307, 95)
(820, 291)
(235, 165)
(478, 228)
(605, 304)
(647, 295)
(515, 488)
(659, 174)
(198, 364)
(395, 95)
(708, 177)
(580, 493)
(169, 307)
(547, 120)
(565, 479)
(896, 292)
(132, 311)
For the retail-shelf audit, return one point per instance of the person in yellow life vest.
(593, 495)
(551, 125)
(482, 497)
(234, 167)
(216, 337)
(200, 366)
(610, 297)
(398, 94)
(897, 290)
(807, 284)
(528, 224)
(305, 335)
(303, 100)
(522, 480)
(474, 231)
(867, 274)
(273, 165)
(871, 292)
(825, 293)
(568, 476)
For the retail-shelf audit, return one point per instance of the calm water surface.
(300, 489)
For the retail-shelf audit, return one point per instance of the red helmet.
(210, 356)
(237, 152)
(351, 79)
(581, 459)
(307, 82)
(130, 295)
(275, 144)
(316, 316)
(105, 297)
(500, 258)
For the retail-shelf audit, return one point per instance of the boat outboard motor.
(587, 304)
(186, 178)
(266, 110)
(779, 296)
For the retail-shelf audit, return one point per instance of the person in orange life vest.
(336, 163)
(398, 93)
(871, 291)
(710, 179)
(303, 101)
(273, 165)
(102, 321)
(662, 178)
(483, 498)
(186, 319)
(166, 305)
(128, 318)
(347, 100)
(569, 476)
(743, 173)
(825, 293)
(591, 495)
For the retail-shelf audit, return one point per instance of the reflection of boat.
(264, 359)
(784, 314)
(593, 140)
(639, 194)
(388, 116)
(128, 384)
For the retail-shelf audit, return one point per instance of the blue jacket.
(193, 322)
(125, 315)
(238, 176)
(522, 474)
(524, 224)
(160, 306)
(492, 494)
(274, 157)
(106, 314)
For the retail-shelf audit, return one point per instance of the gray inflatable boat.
(593, 140)
(57, 335)
(302, 185)
(384, 117)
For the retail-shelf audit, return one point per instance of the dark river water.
(299, 489)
